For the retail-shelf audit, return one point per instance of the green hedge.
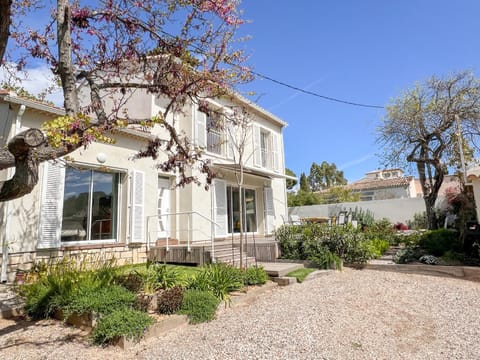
(316, 241)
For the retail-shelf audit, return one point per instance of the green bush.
(200, 306)
(255, 275)
(326, 260)
(60, 281)
(303, 242)
(121, 322)
(407, 255)
(220, 279)
(438, 242)
(161, 276)
(170, 300)
(99, 300)
(376, 247)
(132, 281)
(381, 229)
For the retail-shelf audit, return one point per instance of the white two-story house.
(98, 200)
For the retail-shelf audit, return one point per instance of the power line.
(315, 94)
(278, 82)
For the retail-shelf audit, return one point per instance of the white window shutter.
(269, 210)
(220, 208)
(275, 152)
(230, 140)
(137, 224)
(51, 209)
(200, 129)
(257, 147)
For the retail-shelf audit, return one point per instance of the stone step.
(280, 269)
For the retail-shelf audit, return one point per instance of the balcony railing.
(214, 142)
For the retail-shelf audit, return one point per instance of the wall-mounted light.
(101, 157)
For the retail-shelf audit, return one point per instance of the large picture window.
(233, 210)
(90, 205)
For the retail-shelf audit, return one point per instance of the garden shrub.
(325, 259)
(381, 229)
(60, 281)
(99, 300)
(121, 322)
(132, 281)
(200, 306)
(303, 242)
(376, 247)
(161, 276)
(429, 259)
(170, 300)
(255, 275)
(407, 255)
(220, 279)
(438, 242)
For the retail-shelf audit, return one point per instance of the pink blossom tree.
(180, 50)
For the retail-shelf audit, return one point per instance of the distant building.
(386, 184)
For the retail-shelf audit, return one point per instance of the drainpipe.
(10, 172)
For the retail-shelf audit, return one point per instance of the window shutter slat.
(230, 140)
(220, 204)
(51, 210)
(137, 209)
(200, 129)
(275, 153)
(269, 210)
(257, 148)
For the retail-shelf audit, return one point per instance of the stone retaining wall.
(124, 254)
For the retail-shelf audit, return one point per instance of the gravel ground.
(345, 315)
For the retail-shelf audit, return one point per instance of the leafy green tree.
(302, 198)
(338, 194)
(304, 183)
(423, 126)
(290, 183)
(324, 176)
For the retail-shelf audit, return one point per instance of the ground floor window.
(90, 205)
(233, 210)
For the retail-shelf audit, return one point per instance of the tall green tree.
(290, 183)
(324, 176)
(423, 126)
(304, 183)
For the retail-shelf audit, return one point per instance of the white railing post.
(167, 237)
(189, 231)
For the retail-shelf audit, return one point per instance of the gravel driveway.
(345, 315)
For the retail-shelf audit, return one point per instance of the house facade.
(101, 202)
(386, 184)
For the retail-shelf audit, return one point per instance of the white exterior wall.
(21, 231)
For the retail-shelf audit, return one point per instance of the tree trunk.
(25, 178)
(65, 62)
(430, 209)
(5, 20)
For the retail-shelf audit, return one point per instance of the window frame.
(116, 216)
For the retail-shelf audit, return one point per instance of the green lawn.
(188, 271)
(301, 274)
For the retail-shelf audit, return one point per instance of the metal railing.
(189, 228)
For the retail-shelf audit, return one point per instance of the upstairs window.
(214, 133)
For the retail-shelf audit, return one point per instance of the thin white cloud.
(294, 95)
(36, 80)
(356, 161)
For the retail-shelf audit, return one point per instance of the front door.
(163, 208)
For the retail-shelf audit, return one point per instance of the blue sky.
(362, 51)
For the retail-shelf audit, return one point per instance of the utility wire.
(278, 82)
(313, 93)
